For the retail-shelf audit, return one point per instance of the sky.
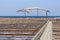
(9, 7)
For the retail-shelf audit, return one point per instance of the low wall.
(47, 35)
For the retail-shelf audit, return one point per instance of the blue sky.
(9, 7)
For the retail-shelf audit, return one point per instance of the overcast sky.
(9, 7)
